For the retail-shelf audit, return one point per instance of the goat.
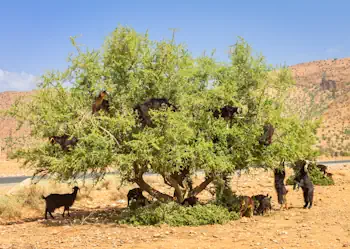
(330, 175)
(261, 203)
(227, 112)
(100, 103)
(322, 168)
(266, 137)
(136, 195)
(264, 205)
(190, 201)
(247, 206)
(153, 103)
(281, 190)
(64, 141)
(303, 181)
(54, 201)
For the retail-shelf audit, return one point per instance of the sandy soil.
(326, 225)
(12, 168)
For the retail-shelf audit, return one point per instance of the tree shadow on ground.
(77, 217)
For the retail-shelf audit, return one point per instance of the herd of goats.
(257, 204)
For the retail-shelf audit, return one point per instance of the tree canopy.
(132, 68)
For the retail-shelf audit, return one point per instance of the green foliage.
(177, 215)
(317, 177)
(133, 68)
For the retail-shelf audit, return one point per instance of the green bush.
(317, 177)
(174, 214)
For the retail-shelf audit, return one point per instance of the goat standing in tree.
(153, 103)
(64, 141)
(100, 103)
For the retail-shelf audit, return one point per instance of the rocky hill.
(322, 89)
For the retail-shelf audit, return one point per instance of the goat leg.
(51, 215)
(68, 211)
(306, 198)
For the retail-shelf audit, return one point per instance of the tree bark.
(146, 187)
(153, 192)
(176, 186)
(201, 186)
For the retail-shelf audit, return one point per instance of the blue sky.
(35, 34)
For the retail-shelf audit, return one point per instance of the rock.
(157, 235)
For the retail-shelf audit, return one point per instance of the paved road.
(18, 179)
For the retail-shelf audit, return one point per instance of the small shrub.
(30, 197)
(174, 214)
(10, 207)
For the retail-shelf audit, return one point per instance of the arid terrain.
(325, 225)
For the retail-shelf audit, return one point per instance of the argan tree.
(132, 69)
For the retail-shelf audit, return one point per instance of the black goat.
(54, 201)
(303, 181)
(330, 175)
(264, 205)
(64, 141)
(266, 138)
(227, 112)
(153, 103)
(322, 168)
(281, 190)
(135, 194)
(190, 201)
(100, 103)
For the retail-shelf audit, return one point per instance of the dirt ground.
(326, 225)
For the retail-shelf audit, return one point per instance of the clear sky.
(35, 34)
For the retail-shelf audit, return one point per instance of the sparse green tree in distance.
(133, 69)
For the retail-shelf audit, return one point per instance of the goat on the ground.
(136, 195)
(190, 201)
(322, 168)
(281, 189)
(54, 201)
(303, 181)
(262, 203)
(247, 206)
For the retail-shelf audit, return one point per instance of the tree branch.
(146, 187)
(201, 186)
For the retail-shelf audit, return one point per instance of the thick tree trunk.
(176, 186)
(146, 187)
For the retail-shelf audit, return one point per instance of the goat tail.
(43, 197)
